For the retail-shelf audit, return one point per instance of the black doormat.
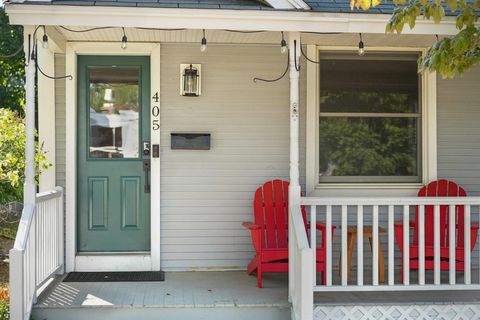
(114, 276)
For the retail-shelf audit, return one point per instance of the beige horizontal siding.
(60, 120)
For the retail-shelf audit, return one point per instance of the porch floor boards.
(179, 290)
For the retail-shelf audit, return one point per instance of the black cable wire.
(241, 31)
(276, 79)
(34, 57)
(160, 29)
(295, 54)
(308, 59)
(68, 76)
(86, 30)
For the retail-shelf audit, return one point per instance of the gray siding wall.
(207, 194)
(458, 130)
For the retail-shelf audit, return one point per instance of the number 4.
(155, 97)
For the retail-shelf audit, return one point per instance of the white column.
(294, 189)
(46, 116)
(30, 188)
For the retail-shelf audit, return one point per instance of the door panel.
(113, 207)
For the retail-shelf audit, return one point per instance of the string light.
(44, 39)
(124, 39)
(203, 46)
(361, 46)
(283, 45)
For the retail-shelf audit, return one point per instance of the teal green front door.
(113, 202)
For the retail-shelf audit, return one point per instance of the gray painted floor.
(180, 289)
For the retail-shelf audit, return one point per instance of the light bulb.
(203, 46)
(283, 46)
(361, 48)
(124, 42)
(45, 41)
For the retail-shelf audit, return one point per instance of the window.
(369, 118)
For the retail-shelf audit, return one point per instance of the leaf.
(452, 4)
(438, 14)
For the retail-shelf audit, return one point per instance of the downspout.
(294, 189)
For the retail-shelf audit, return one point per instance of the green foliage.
(450, 55)
(12, 155)
(12, 71)
(4, 310)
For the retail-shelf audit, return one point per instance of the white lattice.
(398, 312)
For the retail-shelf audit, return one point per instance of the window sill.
(323, 186)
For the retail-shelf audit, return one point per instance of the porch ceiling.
(233, 37)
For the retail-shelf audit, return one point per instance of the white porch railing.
(302, 295)
(38, 251)
(379, 217)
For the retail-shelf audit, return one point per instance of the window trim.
(428, 129)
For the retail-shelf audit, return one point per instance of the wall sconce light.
(190, 80)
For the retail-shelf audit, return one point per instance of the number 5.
(155, 125)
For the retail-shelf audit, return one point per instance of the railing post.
(61, 255)
(17, 285)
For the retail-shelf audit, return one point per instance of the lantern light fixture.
(124, 39)
(283, 45)
(361, 46)
(203, 45)
(44, 39)
(190, 80)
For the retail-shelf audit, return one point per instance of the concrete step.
(153, 312)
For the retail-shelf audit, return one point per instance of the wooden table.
(352, 240)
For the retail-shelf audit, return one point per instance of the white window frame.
(428, 133)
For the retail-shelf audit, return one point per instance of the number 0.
(155, 111)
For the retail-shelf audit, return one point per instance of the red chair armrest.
(251, 226)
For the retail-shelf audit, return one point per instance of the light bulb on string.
(124, 39)
(283, 45)
(361, 46)
(203, 45)
(44, 39)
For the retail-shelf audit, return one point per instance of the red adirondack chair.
(270, 231)
(440, 188)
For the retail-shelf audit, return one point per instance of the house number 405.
(155, 113)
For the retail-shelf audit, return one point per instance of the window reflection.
(114, 112)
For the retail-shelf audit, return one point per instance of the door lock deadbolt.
(146, 148)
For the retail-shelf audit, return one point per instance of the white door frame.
(144, 261)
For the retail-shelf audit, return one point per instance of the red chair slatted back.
(271, 213)
(441, 188)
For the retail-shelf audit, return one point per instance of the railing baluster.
(375, 246)
(466, 245)
(360, 245)
(406, 245)
(436, 244)
(344, 273)
(328, 241)
(451, 242)
(391, 246)
(313, 240)
(421, 244)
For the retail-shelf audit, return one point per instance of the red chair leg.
(259, 275)
(324, 278)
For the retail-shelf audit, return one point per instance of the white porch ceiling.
(228, 37)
